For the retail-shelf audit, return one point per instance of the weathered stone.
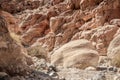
(78, 53)
(13, 60)
(37, 51)
(56, 23)
(87, 4)
(113, 51)
(101, 38)
(33, 32)
(10, 5)
(12, 22)
(72, 19)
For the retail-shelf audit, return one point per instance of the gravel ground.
(40, 73)
(76, 74)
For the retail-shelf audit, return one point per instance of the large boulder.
(13, 59)
(78, 53)
(113, 51)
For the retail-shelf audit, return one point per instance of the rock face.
(60, 21)
(78, 53)
(13, 60)
(58, 27)
(10, 5)
(114, 51)
(53, 23)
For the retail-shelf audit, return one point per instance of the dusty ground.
(75, 74)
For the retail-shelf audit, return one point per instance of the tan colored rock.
(47, 42)
(114, 55)
(78, 53)
(84, 35)
(115, 22)
(13, 60)
(99, 36)
(102, 39)
(113, 51)
(117, 33)
(94, 23)
(114, 43)
(37, 51)
(56, 23)
(83, 59)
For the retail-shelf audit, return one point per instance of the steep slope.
(52, 24)
(58, 22)
(13, 59)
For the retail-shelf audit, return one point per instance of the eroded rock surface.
(78, 53)
(10, 5)
(52, 24)
(62, 21)
(114, 51)
(13, 59)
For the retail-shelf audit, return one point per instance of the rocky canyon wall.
(70, 33)
(59, 21)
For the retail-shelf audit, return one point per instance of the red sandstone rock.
(34, 32)
(70, 20)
